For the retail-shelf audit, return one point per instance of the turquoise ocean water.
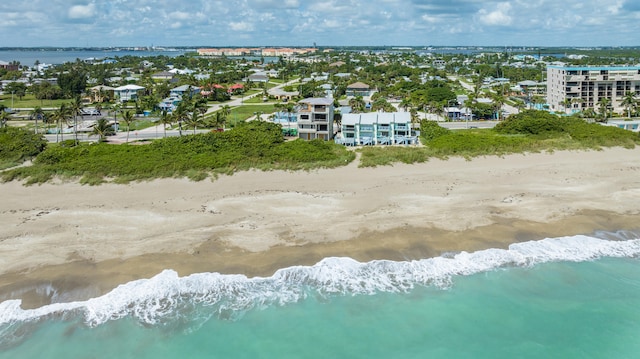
(570, 297)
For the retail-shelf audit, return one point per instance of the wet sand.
(65, 241)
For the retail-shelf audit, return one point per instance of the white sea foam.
(166, 295)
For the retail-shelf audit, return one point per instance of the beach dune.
(66, 241)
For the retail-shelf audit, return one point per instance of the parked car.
(90, 112)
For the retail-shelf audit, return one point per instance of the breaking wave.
(167, 297)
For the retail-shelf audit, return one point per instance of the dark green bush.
(532, 122)
(18, 145)
(430, 130)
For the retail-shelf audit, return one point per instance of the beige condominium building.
(572, 89)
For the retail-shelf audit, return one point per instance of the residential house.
(283, 95)
(258, 77)
(128, 92)
(100, 93)
(170, 103)
(162, 76)
(376, 128)
(458, 114)
(8, 66)
(184, 90)
(358, 89)
(235, 89)
(343, 74)
(315, 118)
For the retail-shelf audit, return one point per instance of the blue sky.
(328, 22)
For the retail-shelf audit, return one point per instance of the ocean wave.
(167, 296)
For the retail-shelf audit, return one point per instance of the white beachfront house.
(315, 118)
(127, 92)
(376, 128)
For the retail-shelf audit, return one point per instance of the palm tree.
(566, 103)
(226, 110)
(578, 101)
(498, 102)
(180, 114)
(116, 108)
(589, 113)
(603, 107)
(60, 117)
(101, 129)
(193, 121)
(405, 104)
(76, 108)
(357, 104)
(201, 106)
(127, 117)
(165, 119)
(414, 115)
(629, 102)
(37, 114)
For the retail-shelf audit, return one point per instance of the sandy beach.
(66, 241)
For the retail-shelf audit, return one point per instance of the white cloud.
(498, 17)
(241, 26)
(82, 11)
(339, 22)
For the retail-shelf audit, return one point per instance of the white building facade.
(376, 128)
(572, 89)
(315, 119)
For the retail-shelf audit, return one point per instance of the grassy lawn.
(240, 114)
(252, 92)
(256, 99)
(29, 101)
(141, 123)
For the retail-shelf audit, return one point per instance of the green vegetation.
(18, 145)
(529, 131)
(29, 101)
(257, 144)
(240, 114)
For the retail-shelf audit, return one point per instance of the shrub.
(430, 130)
(18, 145)
(252, 145)
(532, 122)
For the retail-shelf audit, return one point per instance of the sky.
(201, 23)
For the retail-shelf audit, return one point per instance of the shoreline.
(84, 241)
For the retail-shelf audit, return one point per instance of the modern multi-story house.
(315, 118)
(358, 89)
(372, 128)
(571, 89)
(128, 92)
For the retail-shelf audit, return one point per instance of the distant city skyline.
(120, 23)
